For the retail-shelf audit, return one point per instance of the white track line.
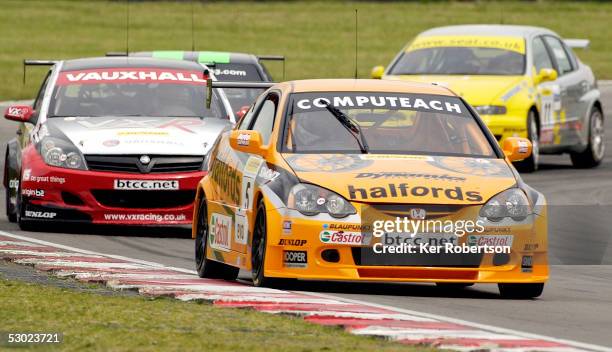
(485, 327)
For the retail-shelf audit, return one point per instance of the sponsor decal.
(16, 111)
(516, 44)
(268, 174)
(28, 192)
(14, 183)
(387, 175)
(403, 190)
(523, 147)
(244, 139)
(147, 217)
(111, 143)
(241, 229)
(295, 259)
(291, 242)
(142, 133)
(130, 75)
(531, 246)
(394, 157)
(219, 233)
(473, 166)
(391, 101)
(287, 227)
(326, 163)
(490, 240)
(252, 166)
(341, 237)
(228, 72)
(527, 264)
(248, 185)
(26, 174)
(425, 239)
(349, 227)
(182, 124)
(40, 214)
(146, 185)
(225, 175)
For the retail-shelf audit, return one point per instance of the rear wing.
(577, 43)
(273, 58)
(30, 62)
(210, 84)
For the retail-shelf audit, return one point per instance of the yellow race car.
(523, 81)
(369, 180)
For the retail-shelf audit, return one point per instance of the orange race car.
(369, 180)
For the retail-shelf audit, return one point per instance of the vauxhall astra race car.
(316, 178)
(523, 81)
(113, 141)
(236, 67)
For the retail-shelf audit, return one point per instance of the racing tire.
(531, 164)
(24, 225)
(258, 251)
(520, 291)
(594, 153)
(11, 215)
(205, 267)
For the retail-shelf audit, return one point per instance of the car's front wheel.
(258, 250)
(531, 164)
(520, 291)
(594, 153)
(209, 268)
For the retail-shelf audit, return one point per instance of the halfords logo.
(341, 237)
(147, 185)
(404, 190)
(219, 234)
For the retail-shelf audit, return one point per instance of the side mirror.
(377, 72)
(546, 75)
(247, 141)
(19, 113)
(240, 113)
(516, 148)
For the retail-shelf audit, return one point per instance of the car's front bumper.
(67, 195)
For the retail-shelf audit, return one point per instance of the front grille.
(132, 163)
(144, 199)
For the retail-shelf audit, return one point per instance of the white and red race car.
(113, 141)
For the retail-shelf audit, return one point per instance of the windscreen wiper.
(353, 128)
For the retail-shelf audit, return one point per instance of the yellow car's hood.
(476, 90)
(412, 179)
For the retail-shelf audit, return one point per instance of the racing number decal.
(550, 100)
(241, 229)
(251, 168)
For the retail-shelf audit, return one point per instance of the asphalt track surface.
(577, 301)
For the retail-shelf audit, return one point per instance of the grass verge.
(95, 322)
(316, 37)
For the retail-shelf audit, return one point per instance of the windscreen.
(133, 92)
(462, 55)
(383, 123)
(239, 97)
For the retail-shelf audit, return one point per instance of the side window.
(541, 59)
(39, 98)
(558, 50)
(248, 117)
(264, 122)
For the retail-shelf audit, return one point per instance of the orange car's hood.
(413, 179)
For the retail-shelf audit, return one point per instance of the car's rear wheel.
(21, 205)
(520, 291)
(258, 250)
(531, 164)
(206, 267)
(11, 214)
(594, 153)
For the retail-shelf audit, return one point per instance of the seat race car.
(315, 177)
(523, 81)
(226, 66)
(113, 141)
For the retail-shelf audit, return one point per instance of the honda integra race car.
(113, 141)
(523, 81)
(369, 180)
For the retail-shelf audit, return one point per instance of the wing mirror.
(517, 149)
(377, 72)
(546, 75)
(19, 113)
(247, 141)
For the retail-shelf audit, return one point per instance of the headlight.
(311, 200)
(60, 153)
(490, 109)
(511, 203)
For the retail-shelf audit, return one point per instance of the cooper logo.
(417, 214)
(147, 185)
(219, 233)
(244, 139)
(295, 259)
